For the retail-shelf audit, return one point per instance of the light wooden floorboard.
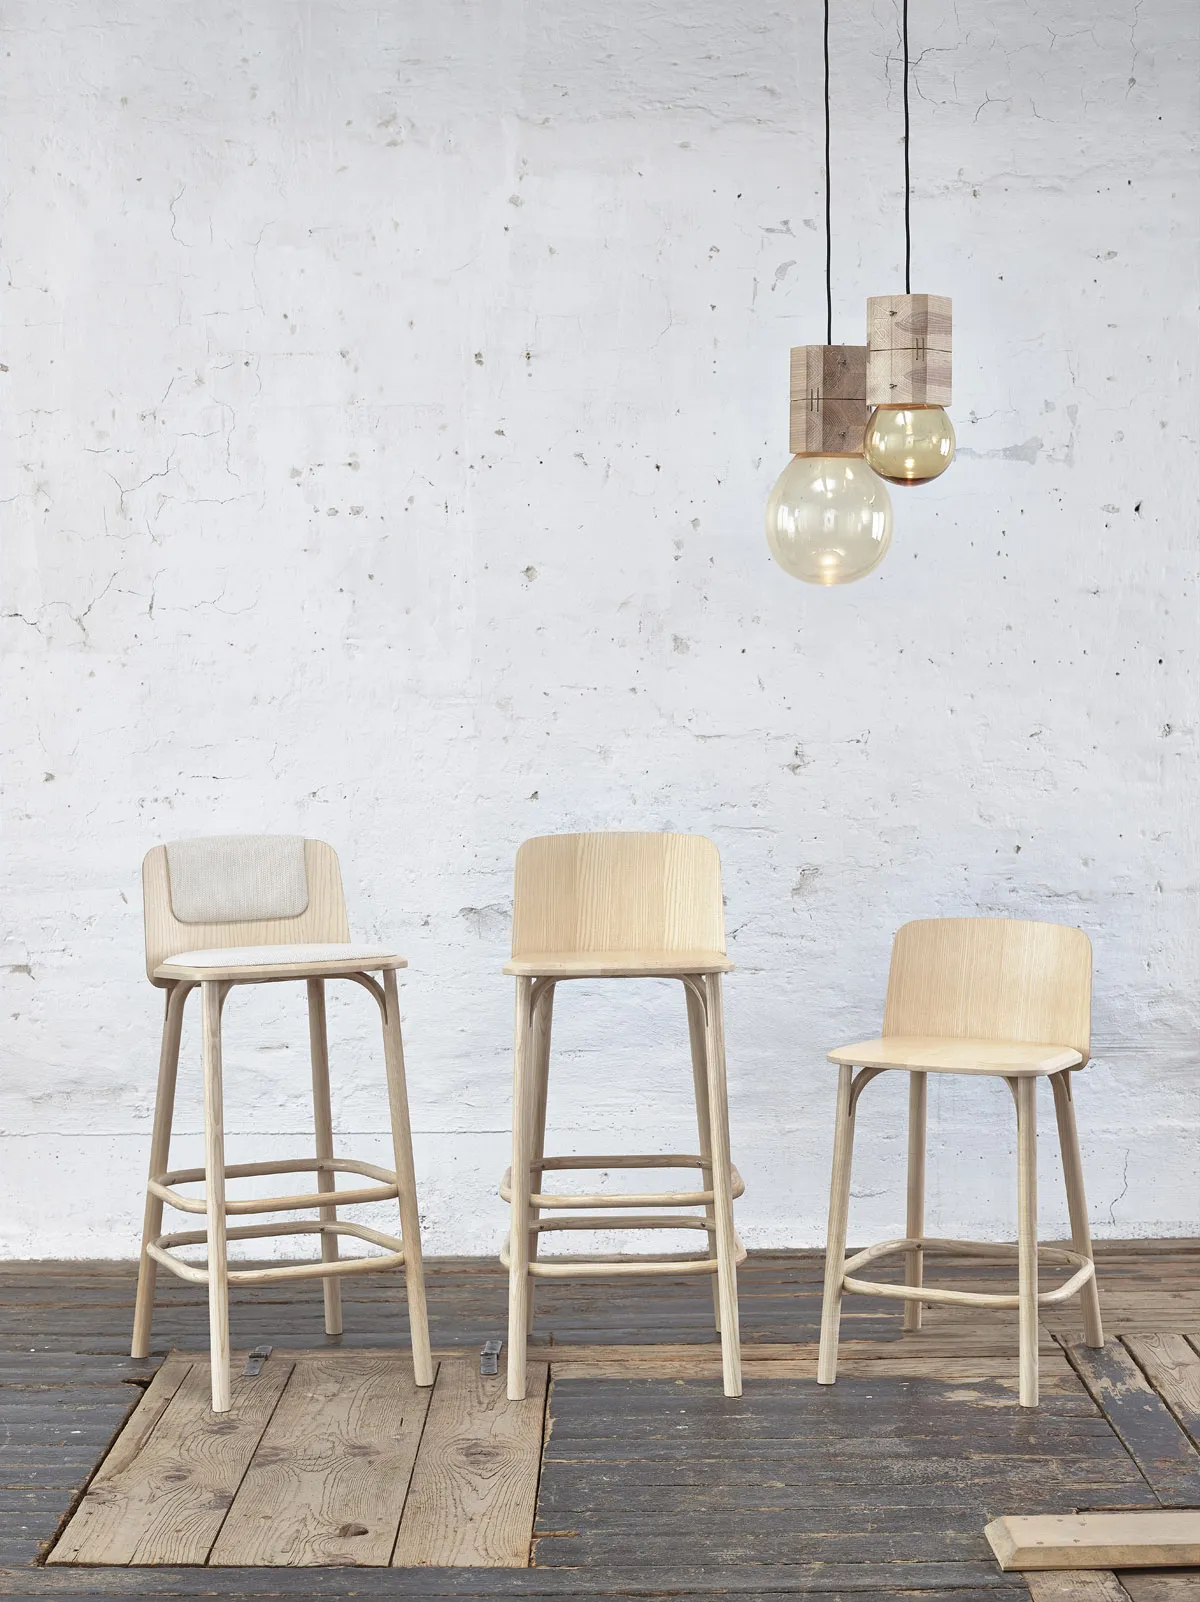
(173, 1493)
(328, 1481)
(472, 1498)
(96, 1527)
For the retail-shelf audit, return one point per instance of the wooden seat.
(618, 964)
(276, 903)
(591, 906)
(333, 960)
(992, 996)
(933, 1056)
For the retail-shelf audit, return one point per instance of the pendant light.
(909, 439)
(829, 519)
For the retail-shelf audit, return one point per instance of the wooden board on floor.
(322, 1459)
(328, 1481)
(170, 1486)
(474, 1488)
(1166, 1538)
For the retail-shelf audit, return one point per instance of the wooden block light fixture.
(829, 518)
(909, 439)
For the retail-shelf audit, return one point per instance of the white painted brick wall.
(392, 396)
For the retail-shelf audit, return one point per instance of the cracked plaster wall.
(391, 398)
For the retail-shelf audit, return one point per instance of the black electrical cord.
(907, 172)
(828, 212)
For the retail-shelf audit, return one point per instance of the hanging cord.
(907, 171)
(828, 212)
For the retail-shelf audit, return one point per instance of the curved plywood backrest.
(617, 892)
(991, 979)
(240, 890)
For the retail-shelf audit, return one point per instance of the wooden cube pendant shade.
(908, 350)
(829, 408)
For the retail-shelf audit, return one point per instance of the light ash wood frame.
(619, 906)
(978, 996)
(324, 920)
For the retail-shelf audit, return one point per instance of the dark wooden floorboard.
(712, 1499)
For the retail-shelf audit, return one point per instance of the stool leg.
(406, 1183)
(318, 1050)
(542, 1019)
(914, 1262)
(718, 1115)
(160, 1160)
(1027, 1262)
(519, 1210)
(839, 1214)
(1081, 1235)
(214, 1190)
(695, 1012)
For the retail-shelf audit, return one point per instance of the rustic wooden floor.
(651, 1482)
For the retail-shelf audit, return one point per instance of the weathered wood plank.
(328, 1480)
(103, 1508)
(1172, 1366)
(166, 1497)
(1161, 1585)
(867, 1582)
(474, 1488)
(1165, 1538)
(1153, 1439)
(1080, 1585)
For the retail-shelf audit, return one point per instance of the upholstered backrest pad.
(237, 878)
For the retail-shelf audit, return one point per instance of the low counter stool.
(261, 910)
(619, 906)
(973, 996)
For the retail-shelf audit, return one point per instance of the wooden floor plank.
(1172, 1366)
(1078, 1585)
(328, 1480)
(474, 1488)
(1161, 1585)
(1153, 1439)
(95, 1526)
(170, 1495)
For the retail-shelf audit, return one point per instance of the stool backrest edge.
(615, 891)
(991, 979)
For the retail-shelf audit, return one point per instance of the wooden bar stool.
(248, 911)
(619, 906)
(973, 996)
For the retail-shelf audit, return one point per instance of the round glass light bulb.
(909, 444)
(829, 519)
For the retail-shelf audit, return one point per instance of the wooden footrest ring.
(616, 1266)
(385, 1189)
(1085, 1270)
(392, 1256)
(666, 1198)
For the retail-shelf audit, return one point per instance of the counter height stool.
(619, 906)
(973, 996)
(247, 911)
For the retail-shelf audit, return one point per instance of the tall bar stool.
(258, 910)
(619, 906)
(973, 996)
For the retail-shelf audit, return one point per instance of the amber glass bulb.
(909, 444)
(829, 519)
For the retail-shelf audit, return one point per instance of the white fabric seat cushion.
(234, 962)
